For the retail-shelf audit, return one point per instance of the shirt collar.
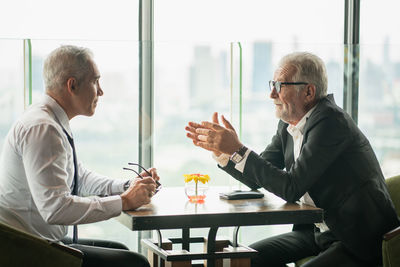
(58, 112)
(299, 127)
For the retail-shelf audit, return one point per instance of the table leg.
(211, 245)
(235, 236)
(186, 239)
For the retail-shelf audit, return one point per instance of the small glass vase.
(196, 191)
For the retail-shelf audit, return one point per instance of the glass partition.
(105, 142)
(11, 84)
(379, 99)
(190, 83)
(109, 139)
(198, 60)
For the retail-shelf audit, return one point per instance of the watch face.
(236, 158)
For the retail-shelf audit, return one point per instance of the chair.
(391, 240)
(23, 249)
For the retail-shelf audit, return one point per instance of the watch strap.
(238, 155)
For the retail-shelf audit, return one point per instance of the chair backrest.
(393, 184)
(18, 248)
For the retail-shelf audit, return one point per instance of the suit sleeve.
(271, 155)
(327, 139)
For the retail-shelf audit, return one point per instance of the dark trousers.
(302, 243)
(103, 253)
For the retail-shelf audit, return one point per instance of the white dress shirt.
(37, 172)
(296, 131)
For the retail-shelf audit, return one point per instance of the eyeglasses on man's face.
(277, 85)
(138, 174)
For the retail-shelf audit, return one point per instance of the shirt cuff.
(117, 186)
(222, 160)
(242, 163)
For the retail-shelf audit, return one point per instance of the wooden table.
(171, 209)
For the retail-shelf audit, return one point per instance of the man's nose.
(274, 94)
(100, 91)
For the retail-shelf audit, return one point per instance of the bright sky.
(211, 20)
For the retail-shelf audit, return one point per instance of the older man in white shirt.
(43, 188)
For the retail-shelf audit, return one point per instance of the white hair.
(65, 62)
(309, 68)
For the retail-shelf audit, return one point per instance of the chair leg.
(178, 264)
(153, 258)
(238, 262)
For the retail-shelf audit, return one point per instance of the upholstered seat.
(391, 240)
(22, 249)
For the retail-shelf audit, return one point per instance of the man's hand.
(214, 137)
(153, 172)
(139, 193)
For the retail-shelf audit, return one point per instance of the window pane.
(192, 76)
(11, 84)
(73, 19)
(379, 93)
(107, 141)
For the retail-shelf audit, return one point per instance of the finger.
(211, 125)
(204, 131)
(154, 173)
(147, 181)
(190, 129)
(135, 180)
(151, 187)
(195, 142)
(194, 124)
(192, 136)
(144, 174)
(227, 124)
(203, 138)
(215, 118)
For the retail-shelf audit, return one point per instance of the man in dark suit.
(318, 156)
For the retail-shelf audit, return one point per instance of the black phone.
(239, 194)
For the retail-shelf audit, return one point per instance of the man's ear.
(71, 85)
(310, 92)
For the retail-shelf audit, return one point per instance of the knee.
(140, 260)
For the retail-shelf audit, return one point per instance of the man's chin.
(278, 114)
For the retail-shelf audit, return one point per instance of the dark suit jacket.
(339, 170)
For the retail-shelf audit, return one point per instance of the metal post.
(27, 73)
(146, 62)
(351, 57)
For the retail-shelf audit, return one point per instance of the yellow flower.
(204, 178)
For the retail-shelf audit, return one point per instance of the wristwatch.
(238, 155)
(127, 184)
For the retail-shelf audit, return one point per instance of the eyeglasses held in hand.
(159, 186)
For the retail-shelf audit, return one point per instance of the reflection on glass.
(192, 75)
(115, 122)
(11, 84)
(379, 93)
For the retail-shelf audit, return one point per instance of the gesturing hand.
(214, 137)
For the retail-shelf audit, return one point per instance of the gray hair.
(65, 62)
(309, 68)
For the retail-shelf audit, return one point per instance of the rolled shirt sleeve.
(49, 169)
